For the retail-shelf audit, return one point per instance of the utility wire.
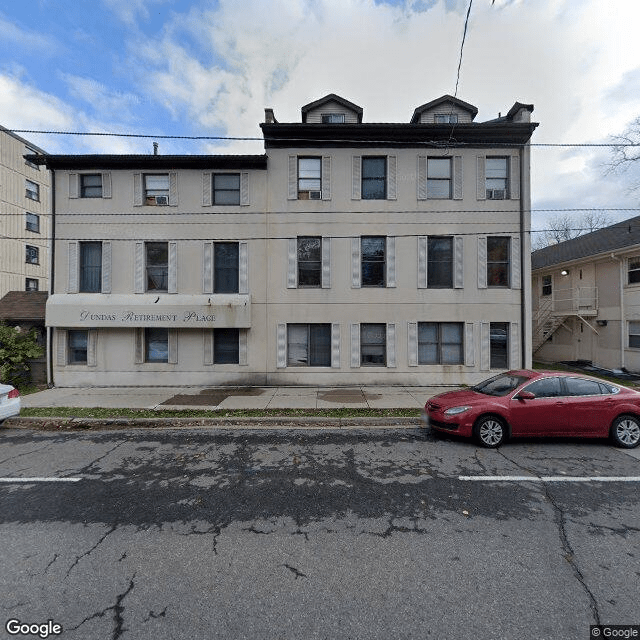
(464, 35)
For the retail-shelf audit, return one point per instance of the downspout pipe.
(52, 272)
(525, 284)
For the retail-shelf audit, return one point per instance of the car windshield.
(499, 385)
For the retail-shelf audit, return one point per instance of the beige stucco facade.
(269, 299)
(16, 232)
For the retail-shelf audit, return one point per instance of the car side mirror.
(525, 395)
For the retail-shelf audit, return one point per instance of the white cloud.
(129, 10)
(26, 39)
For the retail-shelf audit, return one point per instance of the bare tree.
(626, 149)
(564, 227)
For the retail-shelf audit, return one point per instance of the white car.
(9, 401)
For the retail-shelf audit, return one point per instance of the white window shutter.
(173, 189)
(74, 185)
(106, 266)
(137, 190)
(335, 345)
(243, 267)
(207, 188)
(355, 345)
(514, 178)
(481, 183)
(421, 183)
(326, 263)
(412, 343)
(72, 281)
(482, 262)
(61, 350)
(422, 262)
(106, 184)
(243, 347)
(207, 267)
(355, 263)
(92, 342)
(293, 178)
(515, 263)
(391, 261)
(138, 268)
(457, 178)
(485, 347)
(326, 177)
(172, 267)
(469, 347)
(356, 178)
(139, 345)
(392, 177)
(391, 345)
(458, 262)
(207, 346)
(292, 263)
(173, 346)
(514, 347)
(281, 345)
(244, 188)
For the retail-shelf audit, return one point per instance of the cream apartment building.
(25, 221)
(348, 253)
(586, 298)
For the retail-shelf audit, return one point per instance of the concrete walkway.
(373, 397)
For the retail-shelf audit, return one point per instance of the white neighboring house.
(349, 253)
(586, 298)
(25, 218)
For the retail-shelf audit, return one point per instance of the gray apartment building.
(348, 253)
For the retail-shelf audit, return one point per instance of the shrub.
(16, 348)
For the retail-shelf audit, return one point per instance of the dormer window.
(333, 118)
(446, 118)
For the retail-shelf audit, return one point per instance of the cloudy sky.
(209, 67)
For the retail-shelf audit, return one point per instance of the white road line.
(550, 478)
(40, 479)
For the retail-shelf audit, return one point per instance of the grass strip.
(108, 413)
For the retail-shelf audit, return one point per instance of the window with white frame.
(373, 345)
(28, 151)
(499, 345)
(309, 345)
(547, 285)
(498, 261)
(333, 118)
(373, 261)
(226, 267)
(440, 343)
(156, 188)
(374, 178)
(156, 344)
(634, 270)
(157, 266)
(309, 178)
(225, 188)
(439, 178)
(90, 267)
(31, 284)
(309, 261)
(32, 254)
(32, 222)
(32, 190)
(226, 346)
(440, 262)
(496, 178)
(634, 334)
(91, 185)
(77, 346)
(445, 118)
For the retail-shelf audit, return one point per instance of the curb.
(113, 424)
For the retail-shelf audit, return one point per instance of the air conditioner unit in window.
(315, 195)
(496, 194)
(162, 200)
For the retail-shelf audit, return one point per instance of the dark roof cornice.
(151, 162)
(279, 135)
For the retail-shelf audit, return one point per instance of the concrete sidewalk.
(365, 397)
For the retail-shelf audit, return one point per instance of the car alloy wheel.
(490, 431)
(626, 431)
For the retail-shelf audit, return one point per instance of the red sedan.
(536, 403)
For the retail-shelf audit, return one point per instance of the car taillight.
(14, 393)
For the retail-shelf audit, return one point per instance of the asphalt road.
(315, 534)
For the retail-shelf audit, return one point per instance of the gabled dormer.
(444, 110)
(331, 109)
